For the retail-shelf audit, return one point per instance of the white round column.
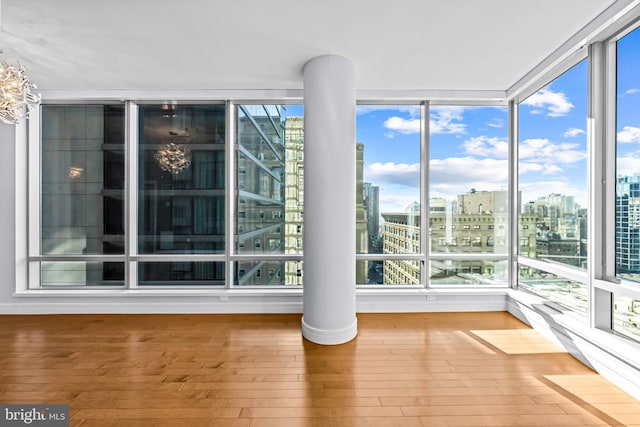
(329, 301)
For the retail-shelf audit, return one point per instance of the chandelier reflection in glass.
(173, 158)
(16, 99)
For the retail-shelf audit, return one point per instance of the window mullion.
(600, 306)
(131, 199)
(34, 169)
(230, 190)
(513, 202)
(424, 193)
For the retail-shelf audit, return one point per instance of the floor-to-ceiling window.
(78, 227)
(627, 196)
(270, 195)
(552, 189)
(181, 199)
(468, 195)
(388, 195)
(138, 197)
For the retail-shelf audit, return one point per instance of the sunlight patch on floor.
(518, 341)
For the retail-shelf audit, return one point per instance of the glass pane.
(387, 173)
(628, 158)
(81, 273)
(82, 179)
(566, 292)
(181, 182)
(270, 177)
(187, 273)
(388, 272)
(268, 273)
(467, 272)
(468, 178)
(387, 189)
(552, 164)
(626, 316)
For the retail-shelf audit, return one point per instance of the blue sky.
(467, 150)
(468, 145)
(628, 105)
(553, 138)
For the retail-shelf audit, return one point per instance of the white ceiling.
(263, 44)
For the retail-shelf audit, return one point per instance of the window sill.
(609, 354)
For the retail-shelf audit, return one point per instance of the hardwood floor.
(427, 369)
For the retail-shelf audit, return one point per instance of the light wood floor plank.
(255, 370)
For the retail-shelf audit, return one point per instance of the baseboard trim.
(250, 301)
(330, 336)
(152, 308)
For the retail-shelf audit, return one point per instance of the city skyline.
(469, 148)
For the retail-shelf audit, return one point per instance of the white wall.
(7, 214)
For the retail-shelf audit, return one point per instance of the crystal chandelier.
(16, 99)
(173, 158)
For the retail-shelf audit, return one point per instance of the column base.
(330, 336)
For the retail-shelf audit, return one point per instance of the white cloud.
(457, 175)
(443, 119)
(401, 125)
(628, 164)
(542, 150)
(390, 135)
(394, 173)
(629, 134)
(450, 176)
(544, 169)
(573, 132)
(468, 170)
(446, 119)
(487, 147)
(632, 91)
(556, 103)
(394, 202)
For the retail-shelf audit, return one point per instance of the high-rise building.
(478, 202)
(560, 227)
(362, 235)
(294, 196)
(372, 209)
(557, 213)
(261, 192)
(475, 223)
(401, 236)
(628, 225)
